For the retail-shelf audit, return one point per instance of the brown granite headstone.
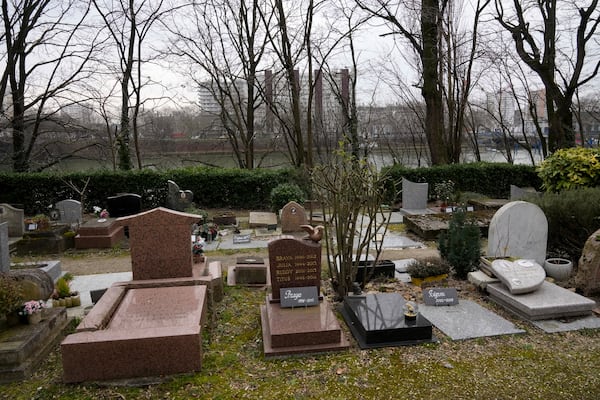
(292, 216)
(294, 263)
(160, 242)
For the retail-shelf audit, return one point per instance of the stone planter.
(421, 281)
(35, 318)
(558, 268)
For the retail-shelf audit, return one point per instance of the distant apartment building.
(501, 107)
(273, 100)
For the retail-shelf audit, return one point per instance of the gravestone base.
(23, 347)
(550, 301)
(99, 235)
(50, 241)
(248, 272)
(377, 320)
(302, 330)
(138, 332)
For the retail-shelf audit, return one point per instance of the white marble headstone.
(518, 229)
(520, 276)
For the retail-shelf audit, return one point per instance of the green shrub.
(63, 289)
(571, 168)
(460, 246)
(10, 295)
(573, 216)
(284, 193)
(212, 187)
(489, 179)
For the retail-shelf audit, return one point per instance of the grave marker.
(15, 218)
(4, 250)
(160, 243)
(124, 204)
(177, 199)
(414, 195)
(294, 263)
(69, 211)
(521, 276)
(518, 229)
(440, 297)
(292, 216)
(295, 271)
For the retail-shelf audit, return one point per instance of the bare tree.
(129, 24)
(562, 70)
(47, 51)
(424, 41)
(226, 39)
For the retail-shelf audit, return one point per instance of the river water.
(279, 160)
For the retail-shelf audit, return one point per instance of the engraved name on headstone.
(294, 263)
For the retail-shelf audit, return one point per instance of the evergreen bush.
(460, 246)
(284, 193)
(573, 216)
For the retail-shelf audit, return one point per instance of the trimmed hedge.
(212, 187)
(489, 179)
(238, 188)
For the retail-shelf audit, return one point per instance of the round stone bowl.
(558, 268)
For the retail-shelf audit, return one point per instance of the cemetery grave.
(136, 326)
(465, 319)
(295, 319)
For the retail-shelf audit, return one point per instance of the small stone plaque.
(299, 296)
(440, 297)
(237, 239)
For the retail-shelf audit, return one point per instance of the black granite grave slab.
(377, 320)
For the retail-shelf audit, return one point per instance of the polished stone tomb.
(377, 320)
(152, 325)
(295, 263)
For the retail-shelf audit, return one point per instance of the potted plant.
(198, 250)
(32, 310)
(10, 299)
(558, 268)
(63, 296)
(444, 192)
(429, 269)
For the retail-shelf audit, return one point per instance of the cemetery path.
(104, 263)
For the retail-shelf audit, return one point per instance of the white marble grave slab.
(520, 276)
(550, 301)
(468, 320)
(554, 325)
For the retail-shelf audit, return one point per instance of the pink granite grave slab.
(160, 243)
(96, 234)
(153, 332)
(300, 330)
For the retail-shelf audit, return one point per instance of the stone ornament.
(520, 276)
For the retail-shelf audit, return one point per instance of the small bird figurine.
(314, 233)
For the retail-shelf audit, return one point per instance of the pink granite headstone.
(292, 216)
(294, 263)
(160, 242)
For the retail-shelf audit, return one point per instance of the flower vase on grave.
(35, 318)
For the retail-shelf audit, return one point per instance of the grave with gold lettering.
(295, 319)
